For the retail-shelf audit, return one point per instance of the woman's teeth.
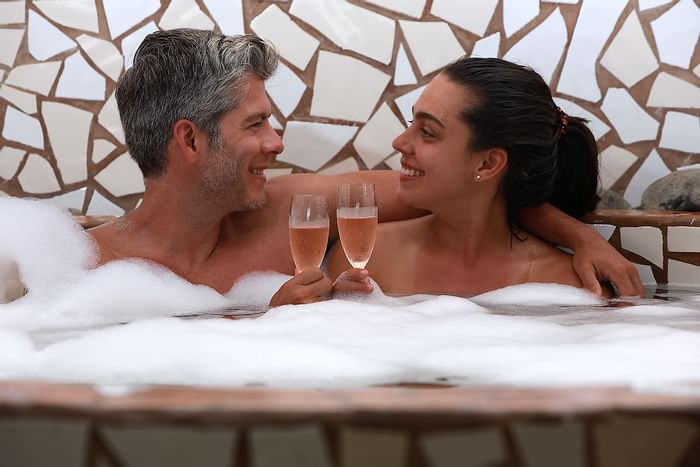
(412, 172)
(257, 171)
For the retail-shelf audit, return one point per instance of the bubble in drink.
(308, 243)
(357, 227)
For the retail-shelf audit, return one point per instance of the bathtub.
(395, 425)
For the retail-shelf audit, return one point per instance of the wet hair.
(185, 74)
(550, 159)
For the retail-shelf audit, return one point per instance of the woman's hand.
(353, 281)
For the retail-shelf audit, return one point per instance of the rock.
(678, 191)
(612, 200)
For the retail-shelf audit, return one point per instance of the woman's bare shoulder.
(550, 264)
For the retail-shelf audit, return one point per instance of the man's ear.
(189, 141)
(492, 162)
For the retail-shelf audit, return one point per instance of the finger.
(308, 276)
(590, 281)
(625, 283)
(318, 290)
(354, 274)
(344, 286)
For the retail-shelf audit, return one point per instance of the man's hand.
(308, 286)
(353, 281)
(595, 261)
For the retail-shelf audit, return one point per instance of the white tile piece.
(9, 161)
(373, 142)
(646, 242)
(80, 81)
(275, 123)
(78, 14)
(596, 125)
(68, 129)
(272, 173)
(629, 119)
(680, 273)
(285, 88)
(517, 13)
(109, 119)
(671, 91)
(35, 77)
(681, 132)
(403, 73)
(488, 46)
(688, 167)
(73, 200)
(406, 102)
(696, 70)
(24, 101)
(10, 40)
(343, 167)
(542, 47)
(123, 15)
(131, 42)
(37, 176)
(676, 33)
(101, 206)
(104, 54)
(293, 43)
(614, 161)
(22, 128)
(12, 12)
(681, 238)
(336, 94)
(471, 15)
(228, 15)
(432, 44)
(351, 27)
(651, 170)
(44, 39)
(596, 21)
(646, 274)
(121, 177)
(629, 57)
(605, 230)
(327, 141)
(394, 161)
(185, 14)
(101, 148)
(647, 4)
(412, 8)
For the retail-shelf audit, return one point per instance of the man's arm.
(386, 182)
(595, 260)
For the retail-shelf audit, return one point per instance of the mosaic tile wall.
(350, 72)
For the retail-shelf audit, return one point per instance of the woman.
(486, 141)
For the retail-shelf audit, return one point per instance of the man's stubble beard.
(223, 180)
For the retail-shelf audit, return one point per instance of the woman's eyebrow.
(428, 116)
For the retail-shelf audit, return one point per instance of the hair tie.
(564, 119)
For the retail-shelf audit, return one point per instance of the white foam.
(118, 326)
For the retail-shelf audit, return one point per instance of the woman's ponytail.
(575, 188)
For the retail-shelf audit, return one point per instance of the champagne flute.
(308, 230)
(357, 221)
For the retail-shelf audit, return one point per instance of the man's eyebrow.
(428, 116)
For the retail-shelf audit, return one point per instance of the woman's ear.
(492, 163)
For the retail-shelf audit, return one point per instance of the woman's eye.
(425, 132)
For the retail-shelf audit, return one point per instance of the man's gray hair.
(185, 74)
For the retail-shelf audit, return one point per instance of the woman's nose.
(400, 143)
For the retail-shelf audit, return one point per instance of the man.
(195, 115)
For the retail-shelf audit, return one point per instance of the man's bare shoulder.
(105, 237)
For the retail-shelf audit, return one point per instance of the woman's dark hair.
(548, 160)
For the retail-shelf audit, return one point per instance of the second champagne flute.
(357, 221)
(308, 230)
